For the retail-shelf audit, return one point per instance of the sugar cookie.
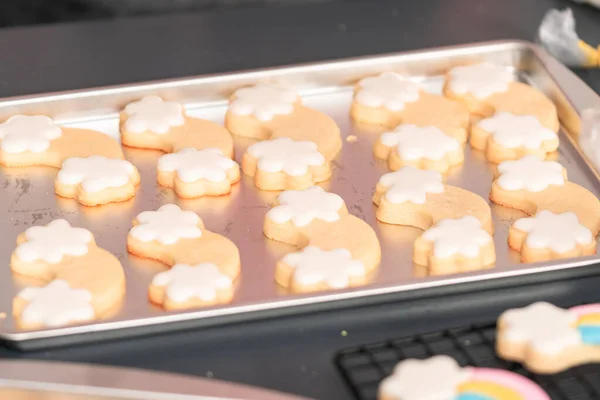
(283, 164)
(412, 380)
(195, 173)
(174, 236)
(152, 123)
(487, 88)
(337, 249)
(506, 136)
(36, 140)
(454, 245)
(423, 147)
(419, 198)
(96, 180)
(84, 281)
(548, 339)
(268, 111)
(390, 100)
(530, 184)
(549, 236)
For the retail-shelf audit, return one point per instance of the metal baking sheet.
(28, 197)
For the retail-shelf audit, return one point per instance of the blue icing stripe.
(472, 396)
(590, 334)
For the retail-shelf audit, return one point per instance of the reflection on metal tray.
(28, 196)
(33, 380)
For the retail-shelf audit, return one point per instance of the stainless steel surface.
(28, 196)
(22, 380)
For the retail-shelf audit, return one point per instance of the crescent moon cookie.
(390, 100)
(84, 282)
(96, 180)
(152, 123)
(202, 261)
(506, 136)
(549, 236)
(412, 380)
(454, 245)
(530, 184)
(338, 250)
(37, 141)
(269, 111)
(284, 163)
(194, 173)
(488, 88)
(547, 339)
(419, 147)
(419, 198)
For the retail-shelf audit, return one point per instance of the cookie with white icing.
(549, 236)
(547, 339)
(487, 88)
(195, 173)
(190, 286)
(173, 236)
(530, 184)
(270, 111)
(338, 250)
(96, 180)
(505, 136)
(422, 147)
(389, 99)
(152, 123)
(419, 198)
(284, 164)
(35, 140)
(84, 281)
(442, 378)
(454, 245)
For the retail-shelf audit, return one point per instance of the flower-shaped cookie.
(55, 305)
(167, 225)
(530, 173)
(153, 114)
(22, 133)
(301, 207)
(264, 101)
(283, 163)
(389, 90)
(549, 236)
(411, 185)
(185, 286)
(420, 147)
(480, 80)
(195, 173)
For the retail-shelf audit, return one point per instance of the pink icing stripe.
(528, 389)
(586, 309)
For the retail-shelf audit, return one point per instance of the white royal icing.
(56, 304)
(413, 142)
(287, 155)
(185, 282)
(22, 133)
(153, 114)
(559, 232)
(545, 327)
(302, 206)
(95, 173)
(512, 131)
(167, 225)
(480, 80)
(192, 165)
(53, 241)
(264, 101)
(389, 90)
(436, 378)
(411, 184)
(334, 267)
(530, 174)
(464, 236)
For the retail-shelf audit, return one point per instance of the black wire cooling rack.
(363, 367)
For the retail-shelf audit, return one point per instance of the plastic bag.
(589, 137)
(557, 35)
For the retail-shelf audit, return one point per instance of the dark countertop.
(291, 354)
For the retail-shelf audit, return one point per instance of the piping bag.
(558, 36)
